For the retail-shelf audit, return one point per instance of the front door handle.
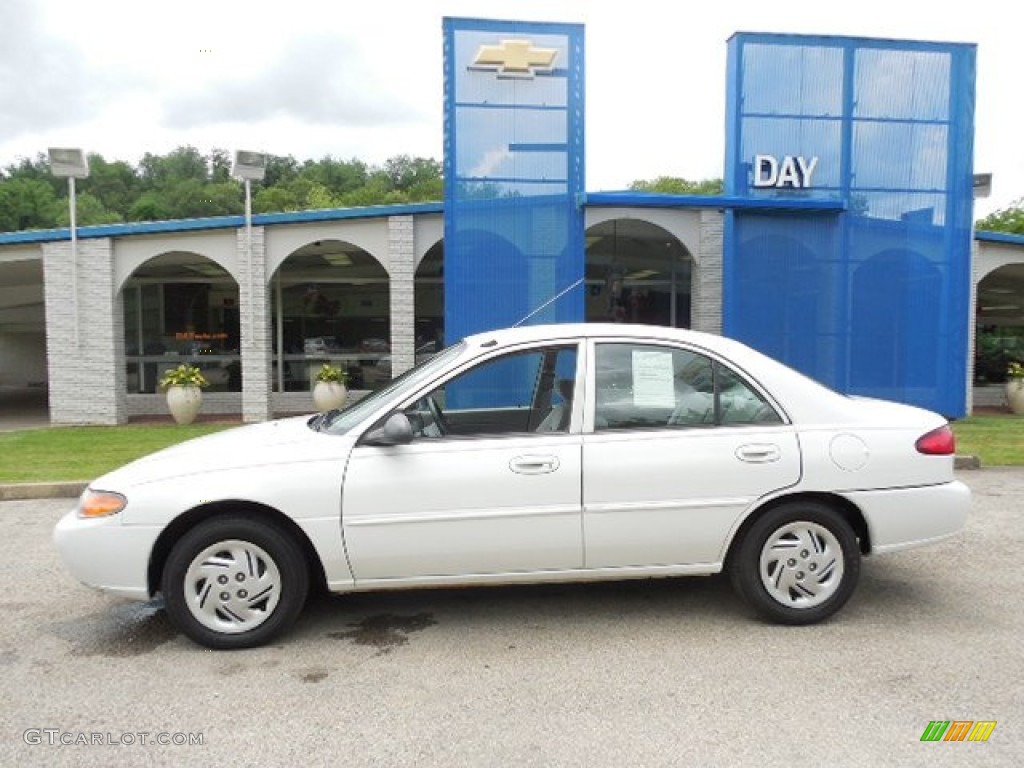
(758, 453)
(533, 465)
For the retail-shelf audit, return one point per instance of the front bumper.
(901, 518)
(105, 554)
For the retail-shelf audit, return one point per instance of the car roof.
(639, 332)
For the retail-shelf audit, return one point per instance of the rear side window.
(644, 386)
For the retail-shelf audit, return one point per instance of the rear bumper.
(902, 518)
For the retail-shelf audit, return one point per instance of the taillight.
(938, 442)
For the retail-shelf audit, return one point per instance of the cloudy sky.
(363, 78)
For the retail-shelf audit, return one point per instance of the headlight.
(100, 503)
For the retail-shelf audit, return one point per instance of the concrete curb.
(22, 491)
(967, 462)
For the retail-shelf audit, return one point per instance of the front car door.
(679, 446)
(490, 484)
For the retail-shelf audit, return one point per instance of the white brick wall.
(402, 255)
(254, 308)
(84, 334)
(706, 282)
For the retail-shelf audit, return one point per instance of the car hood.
(270, 443)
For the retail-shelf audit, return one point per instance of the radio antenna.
(548, 303)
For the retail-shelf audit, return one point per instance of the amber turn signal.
(100, 503)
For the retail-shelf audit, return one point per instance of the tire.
(798, 563)
(234, 582)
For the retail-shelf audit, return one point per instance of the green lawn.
(82, 453)
(996, 440)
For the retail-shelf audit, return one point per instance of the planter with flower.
(184, 387)
(329, 392)
(1015, 387)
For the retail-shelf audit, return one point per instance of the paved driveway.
(661, 673)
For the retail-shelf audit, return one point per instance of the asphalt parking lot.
(657, 673)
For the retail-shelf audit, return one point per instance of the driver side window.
(525, 392)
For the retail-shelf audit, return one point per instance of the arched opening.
(23, 365)
(331, 304)
(181, 307)
(429, 301)
(999, 323)
(637, 272)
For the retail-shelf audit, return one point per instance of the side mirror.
(397, 430)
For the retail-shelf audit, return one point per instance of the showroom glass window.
(181, 307)
(646, 386)
(331, 304)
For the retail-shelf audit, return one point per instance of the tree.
(220, 166)
(27, 203)
(273, 199)
(672, 185)
(89, 209)
(280, 170)
(336, 175)
(185, 183)
(1009, 219)
(405, 172)
(115, 185)
(149, 207)
(179, 164)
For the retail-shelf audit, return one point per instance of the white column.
(402, 258)
(86, 374)
(706, 280)
(254, 310)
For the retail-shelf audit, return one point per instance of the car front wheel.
(798, 563)
(235, 582)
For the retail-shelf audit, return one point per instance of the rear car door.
(677, 446)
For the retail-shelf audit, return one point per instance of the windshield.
(340, 422)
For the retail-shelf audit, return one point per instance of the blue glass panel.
(920, 208)
(875, 300)
(781, 137)
(910, 156)
(792, 80)
(513, 177)
(902, 84)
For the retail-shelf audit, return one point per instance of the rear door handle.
(533, 465)
(758, 453)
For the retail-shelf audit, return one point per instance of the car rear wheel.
(798, 563)
(235, 582)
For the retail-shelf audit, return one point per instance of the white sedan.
(538, 454)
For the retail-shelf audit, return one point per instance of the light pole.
(71, 164)
(249, 167)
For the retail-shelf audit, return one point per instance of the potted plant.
(1015, 387)
(329, 392)
(184, 386)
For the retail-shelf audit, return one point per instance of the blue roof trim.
(631, 199)
(462, 23)
(626, 199)
(841, 41)
(998, 237)
(218, 222)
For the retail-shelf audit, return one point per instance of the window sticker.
(653, 377)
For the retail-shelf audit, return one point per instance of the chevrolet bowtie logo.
(515, 58)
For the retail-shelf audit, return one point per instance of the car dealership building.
(843, 244)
